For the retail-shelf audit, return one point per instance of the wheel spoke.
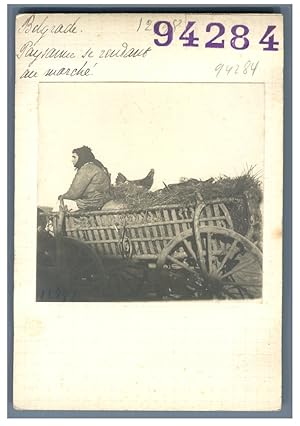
(227, 256)
(189, 248)
(181, 264)
(229, 264)
(200, 253)
(238, 268)
(240, 291)
(209, 251)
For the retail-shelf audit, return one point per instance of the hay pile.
(185, 192)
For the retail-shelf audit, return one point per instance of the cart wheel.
(217, 263)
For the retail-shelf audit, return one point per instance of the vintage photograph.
(148, 212)
(150, 191)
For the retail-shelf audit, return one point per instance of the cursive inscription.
(44, 58)
(31, 26)
(28, 50)
(125, 51)
(82, 71)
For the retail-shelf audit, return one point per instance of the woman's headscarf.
(85, 155)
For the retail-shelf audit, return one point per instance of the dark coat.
(90, 187)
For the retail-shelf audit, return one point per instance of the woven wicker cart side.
(145, 231)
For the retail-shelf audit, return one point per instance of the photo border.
(286, 11)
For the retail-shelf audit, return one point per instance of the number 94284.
(248, 68)
(240, 36)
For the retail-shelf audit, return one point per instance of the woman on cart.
(90, 188)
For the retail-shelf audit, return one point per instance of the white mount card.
(148, 212)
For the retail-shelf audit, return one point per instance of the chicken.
(144, 183)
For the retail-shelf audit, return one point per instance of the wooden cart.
(196, 244)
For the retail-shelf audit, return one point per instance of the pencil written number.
(249, 68)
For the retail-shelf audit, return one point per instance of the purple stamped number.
(165, 30)
(189, 36)
(212, 43)
(168, 33)
(235, 41)
(270, 41)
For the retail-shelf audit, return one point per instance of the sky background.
(197, 130)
